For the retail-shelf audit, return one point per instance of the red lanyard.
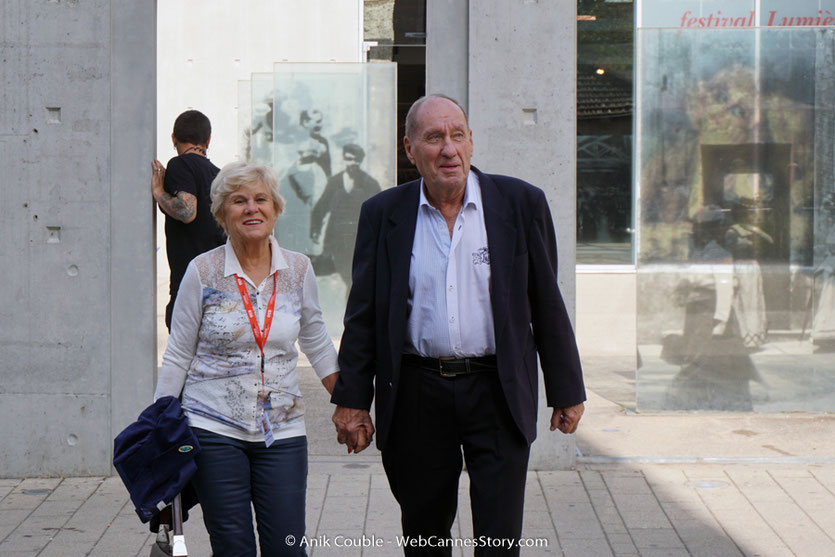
(260, 338)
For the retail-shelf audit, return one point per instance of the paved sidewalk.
(707, 484)
(599, 509)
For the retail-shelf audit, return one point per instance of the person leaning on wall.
(182, 193)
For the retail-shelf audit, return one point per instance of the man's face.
(442, 145)
(352, 163)
(313, 122)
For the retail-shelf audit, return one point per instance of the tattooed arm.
(182, 206)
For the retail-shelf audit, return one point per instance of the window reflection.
(604, 131)
(735, 260)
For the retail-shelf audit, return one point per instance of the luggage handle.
(178, 545)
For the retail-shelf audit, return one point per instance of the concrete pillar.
(522, 68)
(133, 98)
(76, 139)
(447, 48)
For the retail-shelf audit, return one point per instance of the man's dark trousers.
(435, 417)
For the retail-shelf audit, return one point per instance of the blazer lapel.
(399, 240)
(501, 237)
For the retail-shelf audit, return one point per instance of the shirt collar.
(233, 266)
(472, 193)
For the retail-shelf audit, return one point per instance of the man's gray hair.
(411, 125)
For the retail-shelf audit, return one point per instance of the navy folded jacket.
(155, 456)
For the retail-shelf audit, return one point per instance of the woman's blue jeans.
(231, 474)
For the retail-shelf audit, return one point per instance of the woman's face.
(249, 213)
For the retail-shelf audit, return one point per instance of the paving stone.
(349, 486)
(715, 510)
(328, 545)
(343, 514)
(656, 538)
(7, 486)
(664, 553)
(123, 534)
(539, 542)
(75, 489)
(805, 490)
(743, 524)
(700, 536)
(622, 550)
(536, 520)
(64, 549)
(22, 541)
(586, 548)
(784, 516)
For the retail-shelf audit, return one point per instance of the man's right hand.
(353, 428)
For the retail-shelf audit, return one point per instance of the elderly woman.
(239, 312)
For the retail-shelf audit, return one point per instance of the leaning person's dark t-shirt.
(190, 173)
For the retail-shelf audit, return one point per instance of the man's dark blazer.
(528, 310)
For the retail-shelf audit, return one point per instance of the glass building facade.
(733, 205)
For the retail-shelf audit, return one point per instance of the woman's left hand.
(157, 179)
(330, 382)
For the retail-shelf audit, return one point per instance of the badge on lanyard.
(266, 429)
(261, 340)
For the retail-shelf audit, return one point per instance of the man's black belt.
(451, 368)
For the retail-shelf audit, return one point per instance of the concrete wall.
(519, 78)
(76, 320)
(447, 48)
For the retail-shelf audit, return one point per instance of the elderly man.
(454, 294)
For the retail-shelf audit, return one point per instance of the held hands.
(353, 428)
(566, 419)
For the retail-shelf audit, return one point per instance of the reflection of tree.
(823, 325)
(724, 320)
(725, 110)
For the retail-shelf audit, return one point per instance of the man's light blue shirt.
(449, 282)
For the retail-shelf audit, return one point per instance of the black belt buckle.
(444, 373)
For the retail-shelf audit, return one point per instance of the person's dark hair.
(306, 115)
(411, 125)
(355, 150)
(192, 126)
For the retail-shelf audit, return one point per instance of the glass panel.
(736, 291)
(333, 145)
(604, 132)
(244, 119)
(261, 111)
(716, 14)
(696, 13)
